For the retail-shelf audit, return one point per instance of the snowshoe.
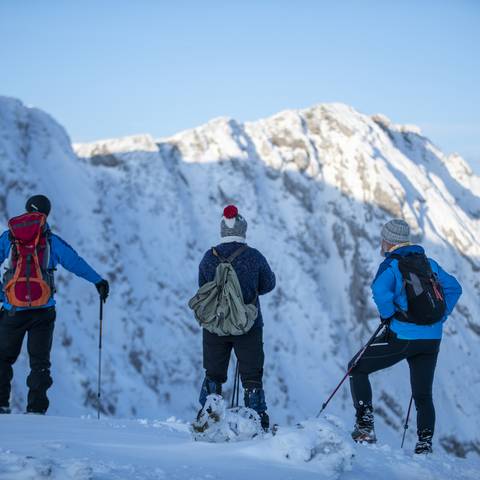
(424, 444)
(216, 423)
(209, 414)
(245, 422)
(364, 431)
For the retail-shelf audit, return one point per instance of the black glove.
(103, 289)
(386, 321)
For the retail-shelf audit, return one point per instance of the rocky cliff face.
(315, 185)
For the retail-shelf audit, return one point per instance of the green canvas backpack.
(218, 305)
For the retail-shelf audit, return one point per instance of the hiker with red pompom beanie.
(233, 320)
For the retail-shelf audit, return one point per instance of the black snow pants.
(38, 324)
(248, 349)
(387, 350)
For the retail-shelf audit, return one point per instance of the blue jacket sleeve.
(4, 252)
(4, 246)
(266, 279)
(383, 290)
(451, 288)
(68, 258)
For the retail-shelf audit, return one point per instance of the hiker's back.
(392, 289)
(252, 269)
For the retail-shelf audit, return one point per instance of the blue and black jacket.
(253, 271)
(60, 253)
(390, 296)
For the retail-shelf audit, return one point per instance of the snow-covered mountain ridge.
(315, 185)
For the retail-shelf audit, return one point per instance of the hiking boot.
(31, 411)
(364, 430)
(5, 410)
(264, 421)
(254, 398)
(424, 444)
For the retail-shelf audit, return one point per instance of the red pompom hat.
(233, 227)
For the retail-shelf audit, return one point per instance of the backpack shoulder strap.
(216, 254)
(232, 257)
(383, 266)
(237, 253)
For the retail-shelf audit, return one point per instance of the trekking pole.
(236, 387)
(354, 363)
(100, 359)
(405, 427)
(238, 384)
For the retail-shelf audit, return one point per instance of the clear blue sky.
(108, 68)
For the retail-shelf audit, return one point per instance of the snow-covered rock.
(315, 185)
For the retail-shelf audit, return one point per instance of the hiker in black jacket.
(256, 278)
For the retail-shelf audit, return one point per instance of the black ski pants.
(38, 324)
(248, 350)
(387, 350)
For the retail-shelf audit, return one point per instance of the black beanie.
(38, 203)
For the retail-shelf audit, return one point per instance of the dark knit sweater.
(252, 269)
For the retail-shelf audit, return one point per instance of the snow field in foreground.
(34, 447)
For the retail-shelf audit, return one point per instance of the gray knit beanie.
(396, 231)
(233, 227)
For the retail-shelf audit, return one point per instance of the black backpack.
(425, 297)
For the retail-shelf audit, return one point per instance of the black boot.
(35, 412)
(264, 421)
(364, 430)
(5, 410)
(254, 398)
(38, 382)
(424, 444)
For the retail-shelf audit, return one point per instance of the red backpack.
(28, 282)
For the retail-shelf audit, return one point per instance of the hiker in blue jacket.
(407, 335)
(256, 278)
(37, 322)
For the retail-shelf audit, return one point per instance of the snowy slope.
(61, 448)
(315, 186)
